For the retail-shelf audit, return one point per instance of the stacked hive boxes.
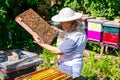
(14, 74)
(111, 34)
(95, 29)
(26, 63)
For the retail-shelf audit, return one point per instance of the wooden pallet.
(33, 23)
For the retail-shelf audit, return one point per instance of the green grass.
(49, 59)
(105, 68)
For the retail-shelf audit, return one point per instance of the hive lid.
(85, 17)
(33, 23)
(112, 24)
(100, 21)
(27, 59)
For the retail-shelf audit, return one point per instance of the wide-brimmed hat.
(66, 14)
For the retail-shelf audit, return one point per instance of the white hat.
(66, 14)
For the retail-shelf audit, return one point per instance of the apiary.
(46, 74)
(34, 24)
(111, 33)
(95, 29)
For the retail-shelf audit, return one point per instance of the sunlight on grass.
(108, 68)
(49, 59)
(105, 68)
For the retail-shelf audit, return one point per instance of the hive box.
(33, 23)
(111, 33)
(27, 59)
(13, 75)
(95, 29)
(27, 63)
(45, 74)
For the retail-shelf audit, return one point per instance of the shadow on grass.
(94, 77)
(81, 78)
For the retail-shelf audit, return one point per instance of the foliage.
(49, 59)
(93, 47)
(112, 51)
(13, 36)
(97, 8)
(105, 68)
(73, 4)
(117, 17)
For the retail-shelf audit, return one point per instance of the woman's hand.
(40, 42)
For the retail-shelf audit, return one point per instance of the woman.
(70, 44)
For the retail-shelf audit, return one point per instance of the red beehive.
(111, 33)
(111, 38)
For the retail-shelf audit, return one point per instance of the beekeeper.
(71, 42)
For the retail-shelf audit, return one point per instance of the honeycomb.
(32, 22)
(46, 74)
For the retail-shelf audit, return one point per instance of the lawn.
(100, 67)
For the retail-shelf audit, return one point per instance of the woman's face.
(67, 25)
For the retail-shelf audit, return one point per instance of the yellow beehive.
(45, 74)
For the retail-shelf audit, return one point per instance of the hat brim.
(56, 18)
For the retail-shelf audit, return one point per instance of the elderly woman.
(70, 44)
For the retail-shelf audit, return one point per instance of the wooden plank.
(102, 50)
(93, 42)
(112, 46)
(33, 23)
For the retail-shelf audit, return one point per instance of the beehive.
(111, 33)
(46, 74)
(95, 29)
(12, 75)
(26, 63)
(33, 23)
